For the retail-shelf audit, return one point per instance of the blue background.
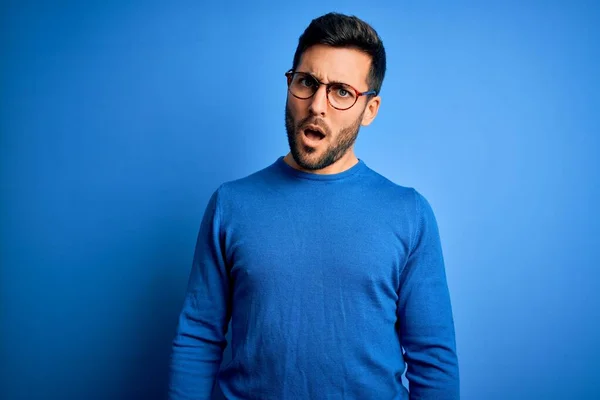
(118, 120)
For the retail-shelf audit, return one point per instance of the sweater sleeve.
(197, 348)
(426, 324)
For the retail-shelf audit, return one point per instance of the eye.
(306, 81)
(341, 91)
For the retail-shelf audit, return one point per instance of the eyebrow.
(327, 83)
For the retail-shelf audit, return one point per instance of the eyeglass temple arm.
(368, 93)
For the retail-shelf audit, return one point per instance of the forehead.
(328, 63)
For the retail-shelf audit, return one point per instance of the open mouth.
(314, 134)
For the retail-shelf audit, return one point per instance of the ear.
(371, 111)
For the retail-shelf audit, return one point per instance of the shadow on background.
(111, 148)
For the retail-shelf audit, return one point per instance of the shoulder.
(248, 189)
(385, 188)
(408, 200)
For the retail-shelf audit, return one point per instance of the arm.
(426, 322)
(198, 345)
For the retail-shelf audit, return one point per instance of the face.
(333, 150)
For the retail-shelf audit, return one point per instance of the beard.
(345, 139)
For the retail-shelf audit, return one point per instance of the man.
(332, 276)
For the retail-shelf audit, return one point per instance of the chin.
(313, 161)
(304, 161)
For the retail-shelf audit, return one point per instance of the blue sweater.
(335, 284)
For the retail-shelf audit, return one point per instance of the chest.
(317, 246)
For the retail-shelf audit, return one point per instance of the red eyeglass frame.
(290, 75)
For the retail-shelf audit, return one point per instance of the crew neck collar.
(288, 169)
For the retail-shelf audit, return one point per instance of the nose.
(319, 103)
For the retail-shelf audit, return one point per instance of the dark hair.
(339, 30)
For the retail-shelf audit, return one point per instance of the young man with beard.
(332, 276)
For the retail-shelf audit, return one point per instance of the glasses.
(339, 95)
